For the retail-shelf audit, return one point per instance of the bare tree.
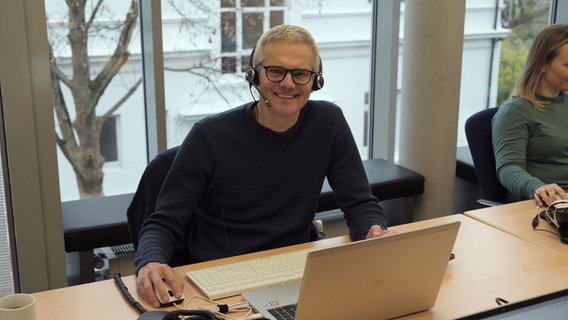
(79, 138)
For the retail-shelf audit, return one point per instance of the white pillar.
(431, 73)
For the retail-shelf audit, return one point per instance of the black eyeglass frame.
(286, 71)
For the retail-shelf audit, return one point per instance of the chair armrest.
(488, 203)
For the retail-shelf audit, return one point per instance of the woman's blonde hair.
(288, 33)
(543, 50)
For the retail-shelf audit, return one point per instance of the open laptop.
(378, 278)
(551, 306)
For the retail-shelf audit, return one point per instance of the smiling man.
(250, 178)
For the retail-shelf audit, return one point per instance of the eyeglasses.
(299, 76)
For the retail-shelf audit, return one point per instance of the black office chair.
(478, 134)
(144, 202)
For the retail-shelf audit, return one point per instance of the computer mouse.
(172, 298)
(158, 315)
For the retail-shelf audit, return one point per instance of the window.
(96, 77)
(242, 23)
(524, 19)
(6, 250)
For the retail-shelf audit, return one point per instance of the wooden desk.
(489, 263)
(516, 218)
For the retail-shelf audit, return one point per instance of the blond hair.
(543, 50)
(288, 33)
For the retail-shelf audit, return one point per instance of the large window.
(96, 72)
(99, 103)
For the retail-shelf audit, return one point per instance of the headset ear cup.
(251, 76)
(318, 82)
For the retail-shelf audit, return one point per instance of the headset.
(253, 77)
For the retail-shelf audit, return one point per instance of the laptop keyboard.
(235, 278)
(287, 312)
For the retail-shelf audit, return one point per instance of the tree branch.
(119, 57)
(120, 102)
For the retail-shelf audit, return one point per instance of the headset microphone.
(252, 78)
(260, 93)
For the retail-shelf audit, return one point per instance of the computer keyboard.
(235, 278)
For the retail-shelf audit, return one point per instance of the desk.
(102, 222)
(515, 218)
(489, 263)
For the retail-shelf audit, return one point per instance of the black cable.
(535, 221)
(189, 314)
(127, 295)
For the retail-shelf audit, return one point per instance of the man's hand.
(376, 231)
(151, 276)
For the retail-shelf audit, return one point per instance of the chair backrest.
(478, 134)
(144, 201)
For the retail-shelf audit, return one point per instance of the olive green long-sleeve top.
(531, 146)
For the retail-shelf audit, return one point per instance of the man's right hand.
(151, 276)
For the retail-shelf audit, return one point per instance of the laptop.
(551, 306)
(379, 278)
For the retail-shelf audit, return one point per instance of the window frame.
(241, 53)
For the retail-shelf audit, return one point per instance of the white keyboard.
(235, 278)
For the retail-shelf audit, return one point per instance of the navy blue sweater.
(237, 187)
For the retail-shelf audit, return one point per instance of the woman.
(530, 130)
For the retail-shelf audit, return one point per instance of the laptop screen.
(547, 307)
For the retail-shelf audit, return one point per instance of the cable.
(223, 309)
(127, 295)
(541, 215)
(188, 314)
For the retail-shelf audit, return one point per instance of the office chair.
(478, 134)
(144, 202)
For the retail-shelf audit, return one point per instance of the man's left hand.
(376, 231)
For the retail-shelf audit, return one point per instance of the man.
(249, 179)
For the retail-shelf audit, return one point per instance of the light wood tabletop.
(488, 263)
(516, 218)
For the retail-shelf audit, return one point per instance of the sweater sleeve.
(510, 135)
(348, 179)
(163, 233)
